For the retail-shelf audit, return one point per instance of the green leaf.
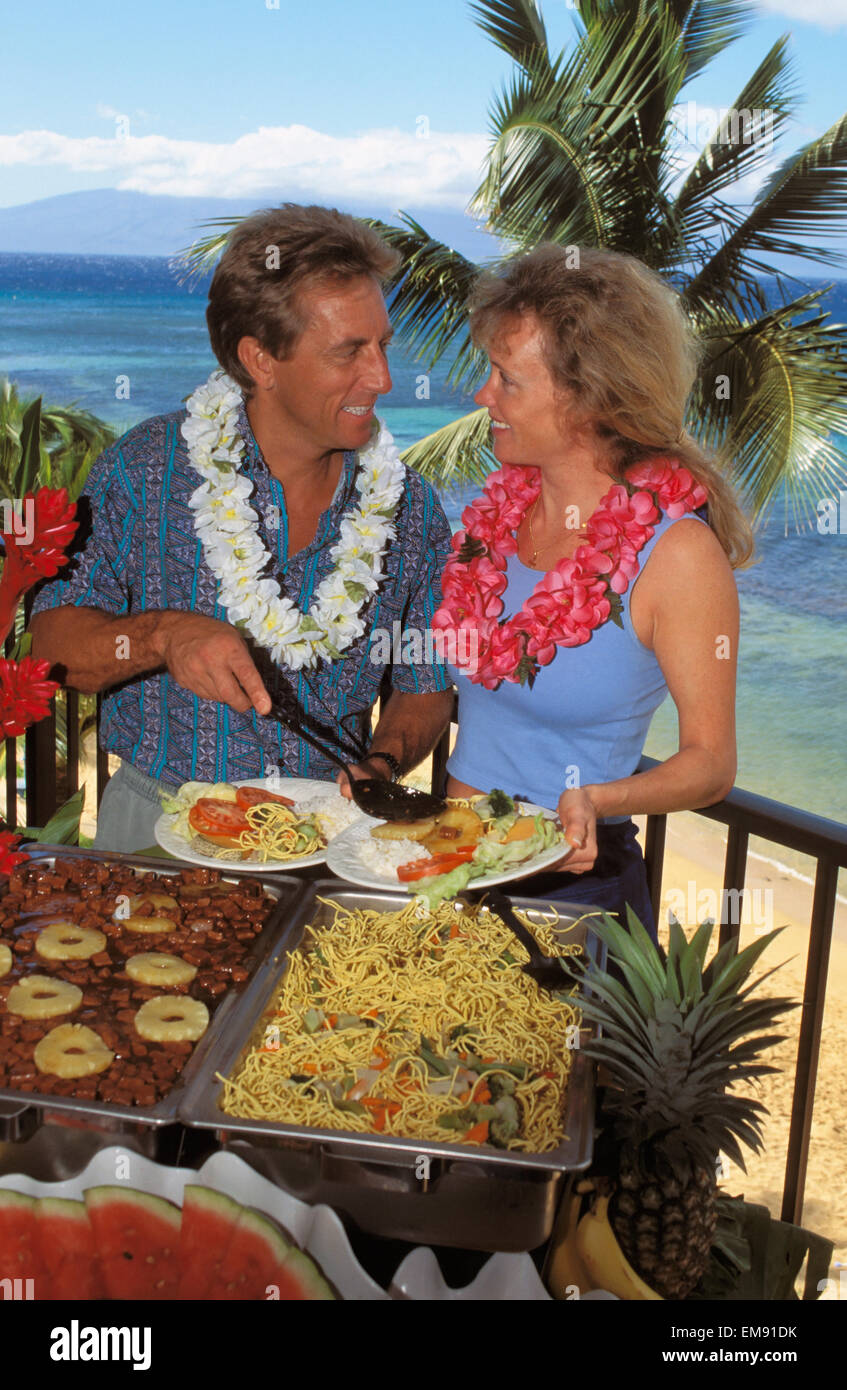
(616, 608)
(63, 826)
(23, 646)
(30, 465)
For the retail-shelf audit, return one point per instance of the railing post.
(809, 1044)
(72, 722)
(103, 773)
(734, 876)
(40, 763)
(654, 857)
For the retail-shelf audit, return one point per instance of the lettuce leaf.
(491, 857)
(181, 802)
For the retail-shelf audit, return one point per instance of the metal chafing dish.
(65, 1130)
(439, 1193)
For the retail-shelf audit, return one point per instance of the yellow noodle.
(277, 832)
(364, 961)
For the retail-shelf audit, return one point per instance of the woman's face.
(528, 422)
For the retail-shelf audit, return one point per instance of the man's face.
(323, 395)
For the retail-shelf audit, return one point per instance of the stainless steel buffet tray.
(438, 1192)
(21, 1112)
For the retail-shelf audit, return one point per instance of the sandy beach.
(693, 876)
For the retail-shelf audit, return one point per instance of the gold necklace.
(537, 549)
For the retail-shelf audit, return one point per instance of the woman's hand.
(578, 815)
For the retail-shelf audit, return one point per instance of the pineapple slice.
(455, 828)
(404, 830)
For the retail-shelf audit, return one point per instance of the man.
(175, 572)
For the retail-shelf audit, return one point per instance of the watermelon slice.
(66, 1245)
(209, 1220)
(137, 1238)
(19, 1258)
(302, 1279)
(260, 1264)
(125, 1244)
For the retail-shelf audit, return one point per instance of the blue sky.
(233, 97)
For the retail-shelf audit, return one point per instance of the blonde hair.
(619, 342)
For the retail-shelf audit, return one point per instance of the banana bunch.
(587, 1255)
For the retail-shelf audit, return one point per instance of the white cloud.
(393, 166)
(830, 14)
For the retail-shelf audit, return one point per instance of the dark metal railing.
(51, 779)
(826, 842)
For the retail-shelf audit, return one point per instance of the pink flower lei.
(578, 595)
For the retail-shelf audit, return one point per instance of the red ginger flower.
(25, 694)
(8, 859)
(36, 543)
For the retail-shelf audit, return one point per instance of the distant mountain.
(109, 222)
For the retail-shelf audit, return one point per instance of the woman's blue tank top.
(585, 719)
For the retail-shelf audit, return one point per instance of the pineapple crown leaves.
(675, 1034)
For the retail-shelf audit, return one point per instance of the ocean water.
(71, 326)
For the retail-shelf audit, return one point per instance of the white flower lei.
(228, 529)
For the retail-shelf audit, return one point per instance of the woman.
(586, 585)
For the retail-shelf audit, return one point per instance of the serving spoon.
(544, 970)
(382, 800)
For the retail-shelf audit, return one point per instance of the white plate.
(295, 787)
(343, 858)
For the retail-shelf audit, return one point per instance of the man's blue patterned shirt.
(143, 554)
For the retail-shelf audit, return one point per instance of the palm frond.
(516, 26)
(725, 159)
(574, 156)
(806, 196)
(429, 298)
(783, 380)
(710, 26)
(197, 259)
(457, 453)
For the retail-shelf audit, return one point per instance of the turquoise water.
(69, 326)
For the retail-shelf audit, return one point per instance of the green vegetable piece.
(433, 1061)
(351, 1107)
(505, 1122)
(312, 1020)
(500, 803)
(467, 1117)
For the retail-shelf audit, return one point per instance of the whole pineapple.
(675, 1036)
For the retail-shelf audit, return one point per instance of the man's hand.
(210, 658)
(579, 822)
(367, 768)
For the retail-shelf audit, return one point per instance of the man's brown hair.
(268, 259)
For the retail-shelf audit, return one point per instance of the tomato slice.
(226, 817)
(210, 831)
(255, 796)
(437, 864)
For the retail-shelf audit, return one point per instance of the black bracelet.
(391, 760)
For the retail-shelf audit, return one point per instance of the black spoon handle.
(499, 903)
(282, 716)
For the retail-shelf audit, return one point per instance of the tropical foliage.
(586, 148)
(51, 446)
(44, 447)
